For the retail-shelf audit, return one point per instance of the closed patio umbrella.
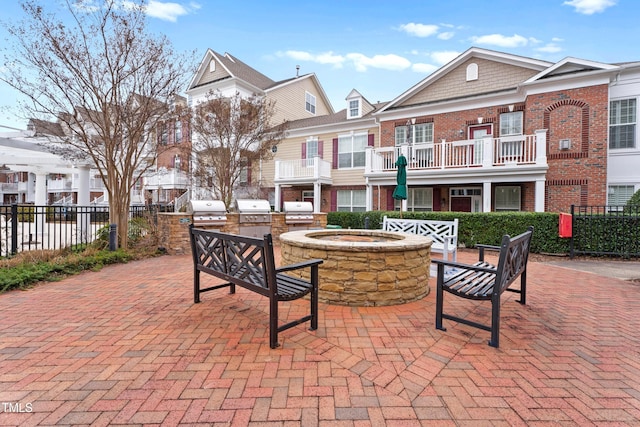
(400, 193)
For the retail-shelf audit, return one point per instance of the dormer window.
(354, 109)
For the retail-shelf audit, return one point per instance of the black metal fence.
(605, 230)
(30, 227)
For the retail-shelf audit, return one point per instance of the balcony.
(166, 179)
(302, 171)
(452, 156)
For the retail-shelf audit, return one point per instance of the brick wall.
(575, 176)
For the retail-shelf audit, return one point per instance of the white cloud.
(589, 7)
(501, 40)
(322, 58)
(446, 35)
(168, 11)
(385, 62)
(360, 62)
(550, 48)
(424, 68)
(444, 56)
(419, 30)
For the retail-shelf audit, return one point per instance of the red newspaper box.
(564, 225)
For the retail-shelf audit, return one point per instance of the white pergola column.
(317, 197)
(369, 196)
(83, 217)
(539, 195)
(277, 197)
(486, 196)
(40, 205)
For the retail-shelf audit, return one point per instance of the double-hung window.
(178, 132)
(354, 108)
(507, 198)
(310, 103)
(311, 151)
(619, 195)
(351, 150)
(622, 123)
(510, 128)
(401, 135)
(351, 200)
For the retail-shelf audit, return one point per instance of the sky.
(381, 48)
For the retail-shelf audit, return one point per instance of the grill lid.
(298, 207)
(253, 206)
(206, 207)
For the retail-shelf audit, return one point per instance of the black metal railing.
(609, 230)
(29, 227)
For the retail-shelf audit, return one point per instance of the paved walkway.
(126, 346)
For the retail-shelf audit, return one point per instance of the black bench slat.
(290, 288)
(484, 281)
(249, 262)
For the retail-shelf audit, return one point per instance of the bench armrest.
(298, 265)
(489, 247)
(439, 262)
(482, 248)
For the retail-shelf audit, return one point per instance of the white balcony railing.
(302, 169)
(485, 152)
(166, 179)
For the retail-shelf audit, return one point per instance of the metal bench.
(249, 262)
(444, 234)
(485, 281)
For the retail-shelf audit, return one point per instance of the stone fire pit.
(363, 267)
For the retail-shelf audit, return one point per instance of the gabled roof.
(235, 68)
(474, 52)
(45, 128)
(571, 65)
(336, 118)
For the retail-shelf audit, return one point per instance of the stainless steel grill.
(298, 212)
(253, 211)
(254, 217)
(207, 213)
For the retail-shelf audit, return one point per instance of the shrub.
(474, 228)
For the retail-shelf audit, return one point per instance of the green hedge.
(473, 228)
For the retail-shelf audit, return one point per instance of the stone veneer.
(363, 273)
(173, 229)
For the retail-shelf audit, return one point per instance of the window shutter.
(304, 151)
(437, 206)
(320, 153)
(335, 153)
(390, 199)
(334, 200)
(371, 138)
(248, 172)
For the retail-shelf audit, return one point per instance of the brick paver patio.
(126, 346)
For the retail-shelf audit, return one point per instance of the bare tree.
(232, 134)
(107, 80)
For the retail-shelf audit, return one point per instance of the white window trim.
(359, 108)
(352, 135)
(350, 206)
(310, 100)
(508, 208)
(623, 149)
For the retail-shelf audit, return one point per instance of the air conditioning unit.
(565, 144)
